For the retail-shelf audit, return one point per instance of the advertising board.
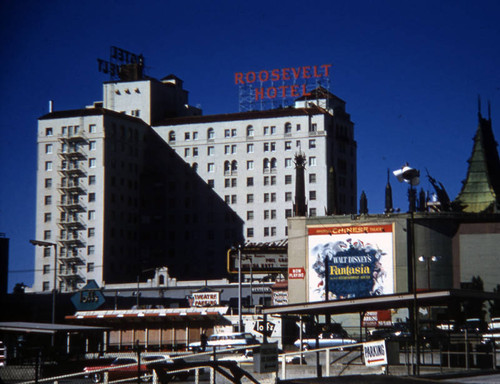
(350, 261)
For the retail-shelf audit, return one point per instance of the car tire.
(96, 377)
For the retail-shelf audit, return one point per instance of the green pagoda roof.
(481, 189)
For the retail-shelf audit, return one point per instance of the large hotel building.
(142, 180)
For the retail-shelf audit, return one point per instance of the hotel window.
(90, 249)
(195, 151)
(227, 133)
(47, 251)
(233, 148)
(91, 215)
(297, 144)
(234, 199)
(49, 131)
(250, 148)
(47, 235)
(47, 217)
(288, 196)
(312, 212)
(266, 197)
(250, 131)
(312, 161)
(298, 127)
(210, 151)
(249, 181)
(195, 135)
(92, 145)
(312, 178)
(211, 183)
(48, 166)
(187, 136)
(273, 214)
(210, 167)
(273, 180)
(266, 214)
(210, 133)
(312, 144)
(273, 130)
(250, 198)
(249, 165)
(266, 180)
(92, 179)
(273, 146)
(313, 127)
(266, 147)
(312, 195)
(288, 128)
(234, 183)
(273, 197)
(227, 199)
(266, 130)
(273, 231)
(48, 148)
(186, 152)
(48, 183)
(249, 215)
(171, 137)
(92, 163)
(227, 149)
(288, 213)
(91, 232)
(90, 267)
(46, 286)
(233, 132)
(266, 231)
(288, 179)
(48, 200)
(91, 197)
(288, 162)
(92, 128)
(227, 183)
(288, 145)
(249, 232)
(46, 269)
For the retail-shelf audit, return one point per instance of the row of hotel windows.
(70, 148)
(271, 231)
(69, 217)
(71, 200)
(70, 182)
(68, 235)
(232, 132)
(65, 164)
(268, 164)
(268, 197)
(231, 149)
(70, 130)
(268, 180)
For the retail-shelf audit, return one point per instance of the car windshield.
(123, 361)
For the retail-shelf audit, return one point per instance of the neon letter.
(296, 72)
(266, 76)
(286, 75)
(259, 93)
(306, 73)
(271, 92)
(295, 91)
(327, 67)
(275, 75)
(238, 78)
(250, 77)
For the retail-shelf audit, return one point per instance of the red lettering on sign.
(327, 68)
(306, 73)
(271, 92)
(275, 75)
(285, 75)
(259, 93)
(295, 91)
(250, 77)
(296, 72)
(263, 78)
(238, 78)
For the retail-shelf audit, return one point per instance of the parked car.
(3, 354)
(325, 340)
(430, 336)
(225, 340)
(126, 368)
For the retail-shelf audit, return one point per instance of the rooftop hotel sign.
(279, 85)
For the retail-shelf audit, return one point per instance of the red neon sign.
(291, 75)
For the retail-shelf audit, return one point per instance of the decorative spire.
(300, 206)
(388, 196)
(363, 204)
(332, 205)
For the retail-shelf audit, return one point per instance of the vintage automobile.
(126, 368)
(325, 340)
(224, 341)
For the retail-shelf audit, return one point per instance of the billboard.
(346, 262)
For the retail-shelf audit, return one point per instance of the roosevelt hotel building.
(131, 181)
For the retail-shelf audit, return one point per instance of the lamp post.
(412, 176)
(240, 318)
(427, 260)
(138, 283)
(40, 243)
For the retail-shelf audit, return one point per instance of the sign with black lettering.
(260, 327)
(266, 360)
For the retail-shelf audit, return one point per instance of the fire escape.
(72, 241)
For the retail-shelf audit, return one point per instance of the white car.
(225, 340)
(325, 340)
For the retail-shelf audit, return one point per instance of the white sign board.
(375, 353)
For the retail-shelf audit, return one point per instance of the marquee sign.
(117, 58)
(205, 298)
(258, 260)
(283, 85)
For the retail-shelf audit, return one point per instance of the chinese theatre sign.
(350, 261)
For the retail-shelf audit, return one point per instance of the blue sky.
(410, 73)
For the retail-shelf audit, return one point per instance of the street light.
(412, 176)
(39, 243)
(427, 260)
(240, 318)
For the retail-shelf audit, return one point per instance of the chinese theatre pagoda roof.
(481, 189)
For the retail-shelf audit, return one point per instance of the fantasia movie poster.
(358, 261)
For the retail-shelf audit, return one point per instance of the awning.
(403, 300)
(49, 328)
